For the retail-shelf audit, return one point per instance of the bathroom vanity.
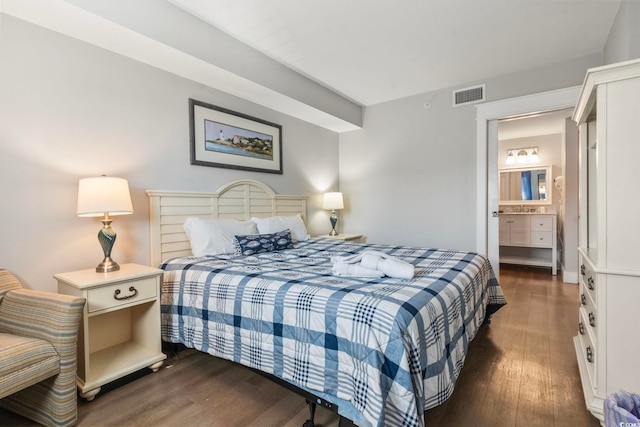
(529, 238)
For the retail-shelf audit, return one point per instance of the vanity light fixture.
(522, 156)
(511, 159)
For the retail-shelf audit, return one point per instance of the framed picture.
(226, 139)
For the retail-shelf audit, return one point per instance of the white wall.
(570, 208)
(70, 110)
(409, 176)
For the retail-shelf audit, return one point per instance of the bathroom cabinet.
(529, 239)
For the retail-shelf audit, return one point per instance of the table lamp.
(104, 196)
(333, 201)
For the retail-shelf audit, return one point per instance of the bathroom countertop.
(526, 213)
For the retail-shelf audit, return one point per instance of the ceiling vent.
(468, 95)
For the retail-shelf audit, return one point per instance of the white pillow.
(279, 223)
(210, 236)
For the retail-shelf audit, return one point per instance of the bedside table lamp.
(333, 201)
(104, 196)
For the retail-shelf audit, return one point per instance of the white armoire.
(608, 344)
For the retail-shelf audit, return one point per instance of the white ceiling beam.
(78, 23)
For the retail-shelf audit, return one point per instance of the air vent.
(468, 95)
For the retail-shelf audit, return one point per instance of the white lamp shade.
(104, 195)
(332, 200)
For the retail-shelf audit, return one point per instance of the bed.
(377, 351)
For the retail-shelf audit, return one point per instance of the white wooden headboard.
(238, 200)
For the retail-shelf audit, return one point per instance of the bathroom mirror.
(528, 186)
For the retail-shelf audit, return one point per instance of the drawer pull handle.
(592, 319)
(131, 289)
(583, 299)
(589, 354)
(581, 328)
(582, 269)
(590, 283)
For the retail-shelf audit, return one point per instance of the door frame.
(487, 151)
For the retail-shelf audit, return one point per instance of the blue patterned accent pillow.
(261, 243)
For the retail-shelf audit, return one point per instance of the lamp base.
(107, 237)
(333, 218)
(107, 265)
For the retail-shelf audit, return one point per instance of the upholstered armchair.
(38, 334)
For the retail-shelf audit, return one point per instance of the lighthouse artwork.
(228, 139)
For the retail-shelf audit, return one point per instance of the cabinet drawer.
(589, 312)
(588, 309)
(121, 293)
(541, 223)
(542, 238)
(588, 347)
(588, 279)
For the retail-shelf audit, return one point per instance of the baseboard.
(570, 276)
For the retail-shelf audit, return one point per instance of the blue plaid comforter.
(383, 350)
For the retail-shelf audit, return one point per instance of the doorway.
(535, 154)
(487, 118)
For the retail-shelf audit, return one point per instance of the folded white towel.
(390, 266)
(354, 270)
(372, 261)
(351, 259)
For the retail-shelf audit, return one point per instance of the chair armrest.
(8, 282)
(44, 315)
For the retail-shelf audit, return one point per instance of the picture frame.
(228, 139)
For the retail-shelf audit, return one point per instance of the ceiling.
(372, 51)
(369, 51)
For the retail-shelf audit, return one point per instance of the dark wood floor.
(520, 371)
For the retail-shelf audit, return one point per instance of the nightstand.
(342, 236)
(120, 330)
